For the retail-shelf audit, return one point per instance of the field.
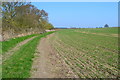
(88, 53)
(59, 40)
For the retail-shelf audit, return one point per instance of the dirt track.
(48, 64)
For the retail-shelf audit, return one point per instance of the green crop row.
(89, 55)
(92, 45)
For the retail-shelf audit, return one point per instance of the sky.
(61, 0)
(80, 14)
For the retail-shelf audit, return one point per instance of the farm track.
(48, 64)
(16, 48)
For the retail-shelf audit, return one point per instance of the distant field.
(90, 53)
(108, 31)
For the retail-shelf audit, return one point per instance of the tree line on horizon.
(23, 17)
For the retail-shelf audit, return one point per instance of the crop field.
(59, 40)
(90, 53)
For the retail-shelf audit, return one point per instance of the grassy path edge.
(7, 45)
(19, 65)
(16, 48)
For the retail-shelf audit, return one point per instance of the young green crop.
(89, 55)
(110, 30)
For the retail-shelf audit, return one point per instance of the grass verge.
(6, 45)
(19, 65)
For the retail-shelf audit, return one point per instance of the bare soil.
(48, 64)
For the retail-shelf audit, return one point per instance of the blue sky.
(80, 14)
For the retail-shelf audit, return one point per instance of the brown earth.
(10, 52)
(48, 64)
